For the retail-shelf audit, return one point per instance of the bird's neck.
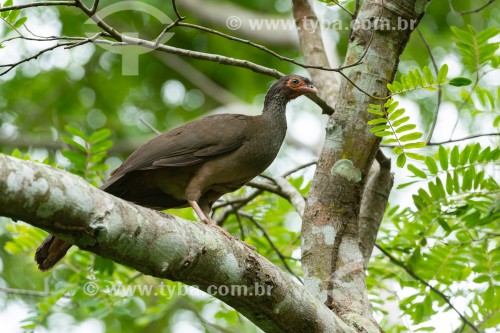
(275, 106)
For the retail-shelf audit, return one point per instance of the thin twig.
(343, 8)
(300, 167)
(88, 40)
(418, 278)
(171, 25)
(465, 12)
(39, 4)
(240, 225)
(270, 241)
(356, 10)
(462, 139)
(267, 50)
(473, 136)
(440, 90)
(25, 292)
(148, 125)
(15, 64)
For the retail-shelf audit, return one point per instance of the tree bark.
(332, 260)
(160, 245)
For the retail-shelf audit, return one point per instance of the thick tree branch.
(375, 197)
(311, 44)
(157, 244)
(333, 262)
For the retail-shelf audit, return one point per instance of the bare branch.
(375, 198)
(440, 89)
(15, 64)
(462, 139)
(270, 241)
(343, 8)
(313, 50)
(39, 4)
(465, 12)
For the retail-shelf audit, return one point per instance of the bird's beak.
(308, 89)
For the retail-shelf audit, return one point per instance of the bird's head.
(290, 87)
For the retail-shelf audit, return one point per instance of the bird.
(198, 162)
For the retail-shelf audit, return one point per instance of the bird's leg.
(204, 218)
(208, 221)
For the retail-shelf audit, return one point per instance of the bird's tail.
(50, 252)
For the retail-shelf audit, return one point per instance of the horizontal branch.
(473, 136)
(38, 4)
(157, 244)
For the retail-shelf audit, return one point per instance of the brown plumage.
(196, 163)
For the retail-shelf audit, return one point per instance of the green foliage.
(395, 129)
(474, 47)
(11, 16)
(88, 153)
(417, 79)
(448, 236)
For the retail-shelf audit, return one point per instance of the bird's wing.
(189, 144)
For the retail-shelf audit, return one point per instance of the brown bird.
(196, 163)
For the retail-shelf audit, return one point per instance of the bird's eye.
(295, 82)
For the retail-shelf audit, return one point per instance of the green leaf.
(449, 183)
(428, 75)
(454, 157)
(464, 155)
(392, 88)
(416, 171)
(415, 156)
(414, 145)
(19, 23)
(406, 128)
(376, 111)
(377, 121)
(383, 133)
(74, 157)
(400, 121)
(460, 81)
(13, 16)
(396, 114)
(431, 165)
(397, 150)
(76, 132)
(100, 135)
(73, 143)
(474, 152)
(7, 4)
(379, 128)
(410, 137)
(443, 158)
(389, 141)
(101, 146)
(444, 225)
(401, 161)
(443, 71)
(440, 188)
(392, 107)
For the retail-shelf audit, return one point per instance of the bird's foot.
(227, 234)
